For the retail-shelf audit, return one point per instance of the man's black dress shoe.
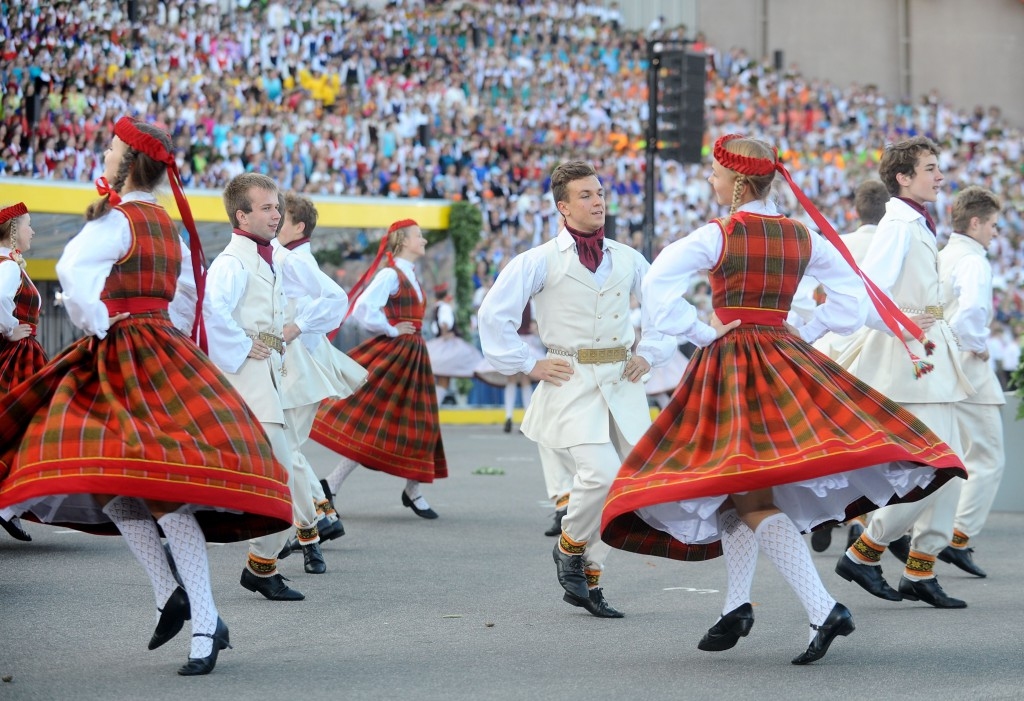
(853, 534)
(929, 591)
(556, 527)
(962, 558)
(274, 588)
(313, 559)
(422, 513)
(900, 548)
(172, 618)
(867, 576)
(595, 603)
(839, 622)
(821, 539)
(204, 665)
(728, 630)
(569, 569)
(330, 530)
(14, 529)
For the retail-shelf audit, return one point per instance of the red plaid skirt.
(141, 413)
(758, 409)
(19, 360)
(390, 423)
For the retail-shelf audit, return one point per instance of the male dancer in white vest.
(590, 407)
(903, 261)
(966, 278)
(244, 313)
(316, 306)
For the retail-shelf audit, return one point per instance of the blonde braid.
(100, 207)
(12, 242)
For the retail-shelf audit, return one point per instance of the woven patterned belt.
(270, 340)
(593, 356)
(933, 310)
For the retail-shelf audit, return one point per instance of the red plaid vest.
(27, 301)
(762, 261)
(405, 305)
(151, 267)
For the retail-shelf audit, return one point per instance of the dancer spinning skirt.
(390, 423)
(765, 437)
(135, 408)
(21, 355)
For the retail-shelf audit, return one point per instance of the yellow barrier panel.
(207, 206)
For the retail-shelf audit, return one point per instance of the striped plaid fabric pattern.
(757, 408)
(154, 274)
(771, 265)
(143, 413)
(20, 359)
(390, 423)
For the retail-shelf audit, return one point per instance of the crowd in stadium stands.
(460, 100)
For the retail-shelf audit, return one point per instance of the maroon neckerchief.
(296, 243)
(262, 246)
(590, 247)
(922, 210)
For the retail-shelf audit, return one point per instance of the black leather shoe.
(556, 527)
(821, 539)
(14, 529)
(330, 530)
(313, 559)
(292, 546)
(728, 630)
(274, 588)
(595, 603)
(962, 558)
(508, 425)
(900, 548)
(867, 576)
(172, 618)
(856, 528)
(569, 569)
(929, 591)
(422, 513)
(204, 665)
(839, 622)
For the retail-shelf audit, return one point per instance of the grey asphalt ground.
(467, 607)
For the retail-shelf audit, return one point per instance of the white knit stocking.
(343, 470)
(412, 490)
(785, 547)
(527, 390)
(188, 545)
(138, 528)
(739, 547)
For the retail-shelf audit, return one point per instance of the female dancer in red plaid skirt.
(132, 426)
(390, 423)
(20, 353)
(765, 437)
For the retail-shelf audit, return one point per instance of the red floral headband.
(745, 165)
(12, 212)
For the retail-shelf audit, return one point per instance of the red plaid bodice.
(27, 301)
(762, 261)
(405, 305)
(153, 264)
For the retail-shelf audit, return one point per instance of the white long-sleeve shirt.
(320, 302)
(85, 265)
(971, 279)
(844, 310)
(10, 281)
(501, 312)
(368, 310)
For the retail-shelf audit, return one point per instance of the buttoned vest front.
(261, 308)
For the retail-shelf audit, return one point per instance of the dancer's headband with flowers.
(128, 131)
(892, 316)
(6, 215)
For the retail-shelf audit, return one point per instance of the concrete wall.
(971, 52)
